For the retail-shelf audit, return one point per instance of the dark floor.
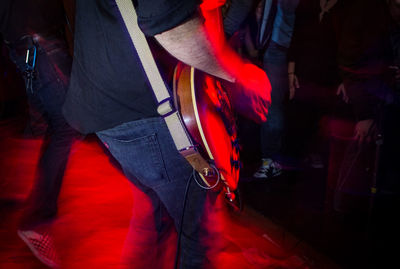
(358, 231)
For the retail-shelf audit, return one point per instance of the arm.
(293, 50)
(293, 81)
(202, 45)
(189, 43)
(250, 47)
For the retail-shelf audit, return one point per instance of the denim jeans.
(150, 160)
(275, 65)
(47, 94)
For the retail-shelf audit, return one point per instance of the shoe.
(314, 160)
(268, 169)
(42, 246)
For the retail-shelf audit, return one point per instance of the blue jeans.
(150, 160)
(275, 65)
(53, 67)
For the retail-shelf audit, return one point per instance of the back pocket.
(140, 157)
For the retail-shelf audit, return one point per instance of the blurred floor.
(360, 230)
(95, 209)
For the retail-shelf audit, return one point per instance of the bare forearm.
(250, 47)
(291, 67)
(190, 44)
(203, 46)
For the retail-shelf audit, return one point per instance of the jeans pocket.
(140, 157)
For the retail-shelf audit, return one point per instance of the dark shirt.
(237, 14)
(395, 41)
(364, 53)
(364, 38)
(108, 86)
(22, 17)
(314, 44)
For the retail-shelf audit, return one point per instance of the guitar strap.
(165, 108)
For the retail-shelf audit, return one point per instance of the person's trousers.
(47, 93)
(275, 65)
(150, 160)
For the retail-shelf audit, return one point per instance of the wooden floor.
(95, 210)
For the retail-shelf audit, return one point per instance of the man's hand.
(364, 130)
(395, 71)
(252, 96)
(342, 91)
(293, 85)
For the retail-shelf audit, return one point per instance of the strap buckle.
(166, 107)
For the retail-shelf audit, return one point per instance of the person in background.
(34, 34)
(275, 64)
(363, 56)
(313, 78)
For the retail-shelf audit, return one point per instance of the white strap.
(142, 47)
(165, 108)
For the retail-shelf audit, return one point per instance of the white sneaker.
(268, 169)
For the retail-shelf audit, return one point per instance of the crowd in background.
(334, 71)
(328, 62)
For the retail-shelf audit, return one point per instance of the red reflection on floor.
(95, 207)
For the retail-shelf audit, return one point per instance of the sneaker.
(42, 246)
(268, 169)
(314, 160)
